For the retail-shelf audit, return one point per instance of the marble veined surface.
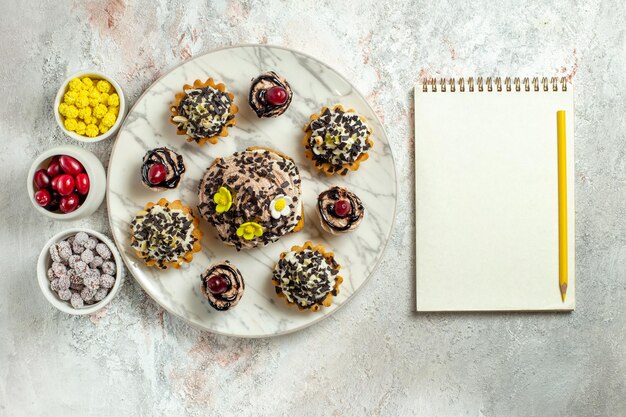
(375, 356)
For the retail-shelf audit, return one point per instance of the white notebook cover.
(487, 199)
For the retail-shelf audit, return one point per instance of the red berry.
(276, 96)
(68, 203)
(342, 208)
(156, 174)
(41, 179)
(70, 165)
(55, 199)
(82, 183)
(43, 198)
(65, 184)
(217, 284)
(54, 182)
(54, 168)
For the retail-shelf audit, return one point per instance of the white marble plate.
(259, 313)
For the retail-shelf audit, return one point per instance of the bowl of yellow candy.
(89, 106)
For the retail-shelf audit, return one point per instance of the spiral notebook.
(487, 194)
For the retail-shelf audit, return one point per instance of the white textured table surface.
(375, 356)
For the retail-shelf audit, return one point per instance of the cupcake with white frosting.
(165, 234)
(203, 111)
(307, 276)
(337, 140)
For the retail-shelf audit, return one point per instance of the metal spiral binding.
(493, 84)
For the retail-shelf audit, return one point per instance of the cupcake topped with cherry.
(270, 95)
(162, 169)
(339, 210)
(61, 185)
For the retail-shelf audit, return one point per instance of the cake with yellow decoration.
(203, 111)
(252, 198)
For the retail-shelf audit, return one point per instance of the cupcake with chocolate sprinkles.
(222, 285)
(165, 234)
(252, 198)
(307, 277)
(162, 169)
(337, 140)
(203, 111)
(270, 95)
(340, 210)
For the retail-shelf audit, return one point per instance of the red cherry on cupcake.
(65, 184)
(54, 168)
(70, 165)
(217, 284)
(342, 208)
(276, 96)
(82, 183)
(156, 174)
(43, 198)
(41, 179)
(69, 203)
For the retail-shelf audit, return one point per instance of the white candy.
(87, 256)
(104, 251)
(65, 295)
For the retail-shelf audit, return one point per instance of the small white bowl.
(93, 168)
(63, 90)
(45, 262)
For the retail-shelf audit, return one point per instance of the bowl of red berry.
(66, 183)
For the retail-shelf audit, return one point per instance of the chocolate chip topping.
(305, 277)
(162, 234)
(173, 163)
(258, 90)
(205, 110)
(326, 210)
(254, 178)
(234, 291)
(337, 137)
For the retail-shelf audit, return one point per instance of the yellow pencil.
(562, 179)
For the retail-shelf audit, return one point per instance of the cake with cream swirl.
(222, 285)
(252, 198)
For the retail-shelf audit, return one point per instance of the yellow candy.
(100, 110)
(62, 108)
(89, 120)
(93, 102)
(91, 131)
(108, 119)
(103, 128)
(70, 124)
(114, 100)
(94, 93)
(84, 112)
(104, 98)
(71, 112)
(70, 97)
(114, 110)
(88, 82)
(80, 127)
(75, 85)
(82, 101)
(103, 86)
